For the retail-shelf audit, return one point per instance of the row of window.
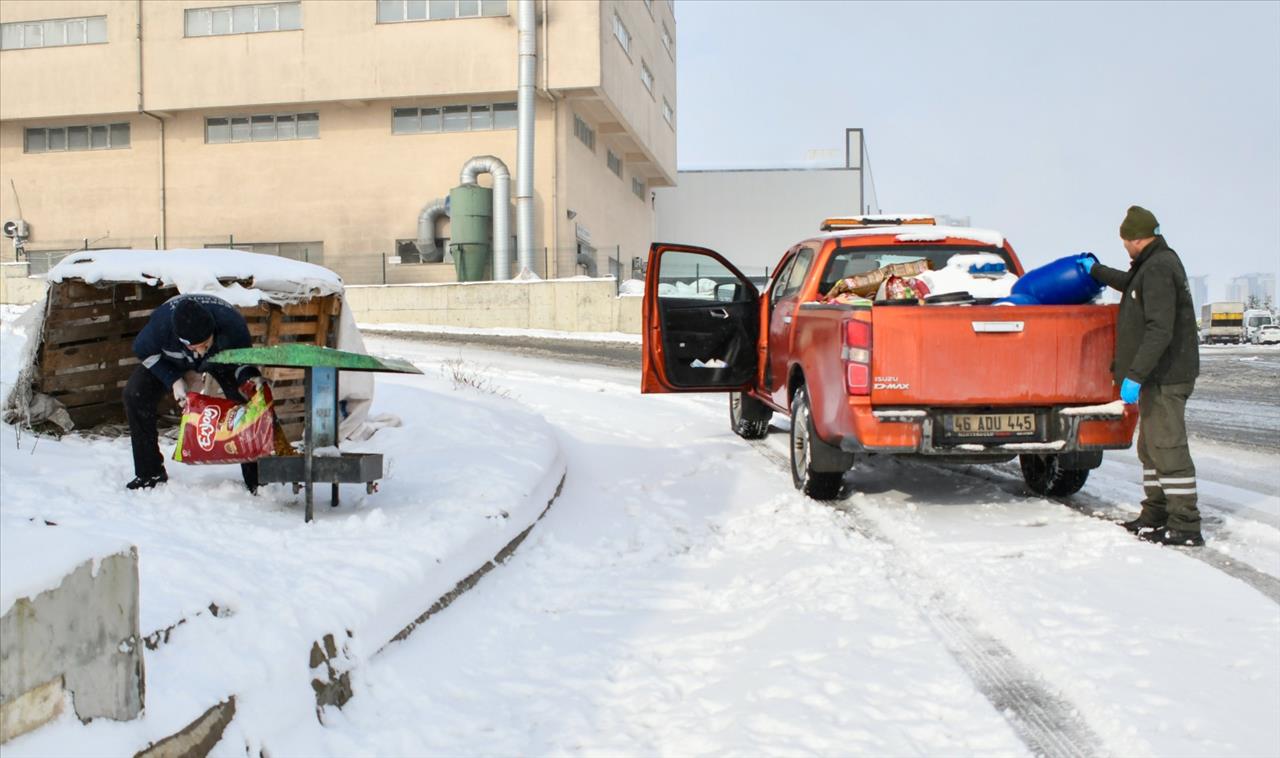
(587, 136)
(623, 36)
(262, 128)
(243, 19)
(453, 118)
(392, 11)
(54, 33)
(61, 138)
(235, 19)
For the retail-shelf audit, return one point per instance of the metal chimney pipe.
(427, 230)
(501, 208)
(527, 24)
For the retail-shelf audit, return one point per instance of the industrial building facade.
(321, 129)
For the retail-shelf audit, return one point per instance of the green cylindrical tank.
(471, 231)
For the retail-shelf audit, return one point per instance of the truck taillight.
(857, 357)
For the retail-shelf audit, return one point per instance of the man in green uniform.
(1156, 364)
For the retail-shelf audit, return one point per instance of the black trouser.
(142, 397)
(1168, 474)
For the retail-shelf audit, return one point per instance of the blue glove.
(1086, 261)
(1129, 391)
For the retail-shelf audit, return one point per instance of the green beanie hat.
(1139, 224)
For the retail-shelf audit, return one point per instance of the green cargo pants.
(1168, 474)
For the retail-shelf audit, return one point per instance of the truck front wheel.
(748, 417)
(1045, 475)
(805, 448)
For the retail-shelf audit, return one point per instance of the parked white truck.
(1254, 320)
(1222, 322)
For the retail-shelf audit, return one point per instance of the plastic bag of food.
(899, 288)
(215, 430)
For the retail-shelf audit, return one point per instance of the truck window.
(798, 271)
(848, 261)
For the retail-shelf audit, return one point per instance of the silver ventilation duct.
(427, 230)
(526, 24)
(488, 164)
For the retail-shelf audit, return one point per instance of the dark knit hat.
(1139, 224)
(192, 322)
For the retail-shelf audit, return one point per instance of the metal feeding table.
(320, 366)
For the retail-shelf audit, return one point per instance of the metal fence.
(617, 262)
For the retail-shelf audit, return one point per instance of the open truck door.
(701, 322)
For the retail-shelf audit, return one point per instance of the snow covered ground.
(243, 585)
(681, 598)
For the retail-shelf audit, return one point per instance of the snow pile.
(465, 473)
(955, 277)
(501, 331)
(631, 288)
(274, 279)
(702, 288)
(36, 555)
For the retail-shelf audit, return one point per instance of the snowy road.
(681, 598)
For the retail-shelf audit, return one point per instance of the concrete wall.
(82, 636)
(16, 288)
(574, 305)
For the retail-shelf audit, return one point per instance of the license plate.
(991, 425)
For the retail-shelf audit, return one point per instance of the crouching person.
(175, 346)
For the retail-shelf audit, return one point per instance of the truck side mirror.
(727, 293)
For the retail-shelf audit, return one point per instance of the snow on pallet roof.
(274, 279)
(920, 234)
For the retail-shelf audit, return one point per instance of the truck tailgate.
(992, 356)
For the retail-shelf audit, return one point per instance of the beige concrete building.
(321, 128)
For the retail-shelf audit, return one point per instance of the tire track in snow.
(1099, 508)
(1047, 723)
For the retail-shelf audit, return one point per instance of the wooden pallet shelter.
(86, 355)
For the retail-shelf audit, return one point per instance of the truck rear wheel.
(748, 417)
(805, 447)
(1045, 475)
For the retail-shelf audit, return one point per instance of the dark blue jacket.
(160, 350)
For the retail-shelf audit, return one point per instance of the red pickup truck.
(965, 382)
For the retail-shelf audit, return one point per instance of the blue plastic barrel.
(1063, 282)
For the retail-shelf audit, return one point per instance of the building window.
(666, 41)
(584, 133)
(615, 163)
(394, 11)
(453, 118)
(646, 76)
(668, 114)
(60, 32)
(266, 127)
(621, 33)
(61, 138)
(637, 187)
(243, 19)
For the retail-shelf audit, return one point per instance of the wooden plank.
(89, 416)
(79, 379)
(109, 394)
(54, 360)
(307, 329)
(118, 328)
(273, 326)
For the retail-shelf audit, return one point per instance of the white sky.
(1043, 120)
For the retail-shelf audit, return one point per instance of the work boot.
(147, 482)
(1142, 523)
(1177, 537)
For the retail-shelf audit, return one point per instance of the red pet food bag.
(215, 430)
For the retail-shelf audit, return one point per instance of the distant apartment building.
(321, 129)
(1257, 285)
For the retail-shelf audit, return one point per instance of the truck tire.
(819, 485)
(1045, 476)
(748, 417)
